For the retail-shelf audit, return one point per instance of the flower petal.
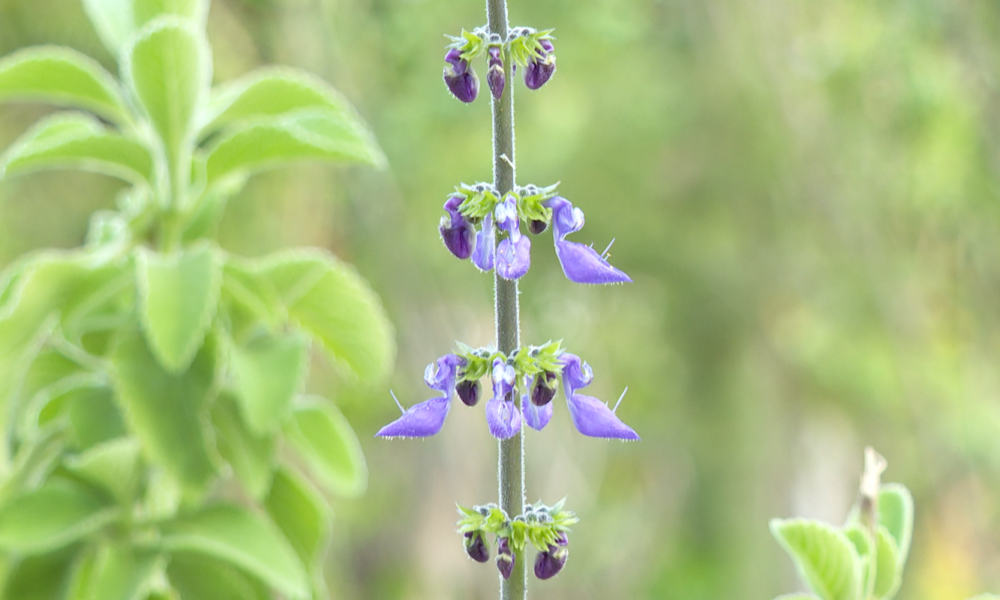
(513, 259)
(593, 417)
(536, 417)
(565, 218)
(440, 375)
(421, 420)
(503, 418)
(483, 254)
(582, 264)
(576, 373)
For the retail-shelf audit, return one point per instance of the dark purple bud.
(544, 388)
(505, 558)
(541, 67)
(475, 546)
(469, 391)
(461, 80)
(537, 227)
(495, 77)
(458, 234)
(549, 563)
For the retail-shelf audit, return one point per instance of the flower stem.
(510, 470)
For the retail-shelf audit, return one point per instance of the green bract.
(148, 372)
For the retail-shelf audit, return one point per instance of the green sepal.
(479, 201)
(469, 43)
(527, 46)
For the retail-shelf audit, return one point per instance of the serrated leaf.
(60, 75)
(825, 558)
(54, 515)
(267, 372)
(178, 295)
(895, 513)
(43, 577)
(113, 466)
(114, 571)
(328, 446)
(77, 141)
(304, 135)
(270, 92)
(250, 456)
(167, 411)
(302, 515)
(240, 538)
(201, 578)
(330, 301)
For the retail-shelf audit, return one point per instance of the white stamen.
(605, 253)
(403, 410)
(620, 398)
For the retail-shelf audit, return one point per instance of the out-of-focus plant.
(156, 442)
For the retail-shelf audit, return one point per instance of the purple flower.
(540, 67)
(543, 388)
(469, 391)
(580, 263)
(505, 558)
(461, 80)
(495, 77)
(549, 563)
(502, 415)
(535, 416)
(590, 416)
(458, 234)
(484, 253)
(475, 546)
(425, 419)
(514, 252)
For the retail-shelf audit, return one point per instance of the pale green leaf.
(54, 515)
(113, 466)
(304, 135)
(77, 141)
(888, 571)
(178, 295)
(245, 290)
(94, 416)
(301, 513)
(114, 571)
(267, 373)
(270, 92)
(328, 446)
(42, 577)
(113, 21)
(825, 558)
(250, 456)
(60, 75)
(244, 540)
(144, 11)
(329, 300)
(35, 459)
(168, 411)
(895, 513)
(201, 578)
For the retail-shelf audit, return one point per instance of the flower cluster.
(538, 369)
(545, 527)
(538, 208)
(528, 48)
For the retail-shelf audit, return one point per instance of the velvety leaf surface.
(824, 557)
(328, 445)
(56, 514)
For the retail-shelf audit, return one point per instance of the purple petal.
(421, 420)
(536, 417)
(503, 378)
(460, 239)
(461, 80)
(582, 264)
(592, 417)
(513, 259)
(484, 253)
(576, 373)
(503, 418)
(506, 216)
(549, 563)
(539, 72)
(565, 217)
(440, 375)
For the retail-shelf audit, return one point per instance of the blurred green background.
(807, 196)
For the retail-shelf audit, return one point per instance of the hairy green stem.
(510, 470)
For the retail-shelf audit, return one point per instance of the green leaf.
(77, 141)
(328, 446)
(168, 411)
(270, 92)
(268, 371)
(144, 11)
(329, 300)
(302, 514)
(300, 136)
(94, 416)
(115, 20)
(35, 459)
(895, 513)
(245, 290)
(114, 571)
(168, 66)
(250, 456)
(178, 295)
(54, 515)
(243, 539)
(888, 571)
(59, 75)
(113, 466)
(201, 578)
(825, 558)
(43, 577)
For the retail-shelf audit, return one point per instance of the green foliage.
(150, 373)
(824, 557)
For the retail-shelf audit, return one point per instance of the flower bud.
(541, 67)
(461, 80)
(537, 227)
(549, 563)
(469, 391)
(505, 558)
(544, 388)
(475, 546)
(459, 235)
(495, 77)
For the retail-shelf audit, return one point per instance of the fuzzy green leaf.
(328, 446)
(144, 11)
(250, 456)
(113, 466)
(178, 295)
(202, 578)
(268, 371)
(301, 513)
(823, 555)
(115, 20)
(895, 513)
(54, 515)
(94, 416)
(42, 577)
(243, 539)
(168, 411)
(77, 141)
(888, 571)
(114, 571)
